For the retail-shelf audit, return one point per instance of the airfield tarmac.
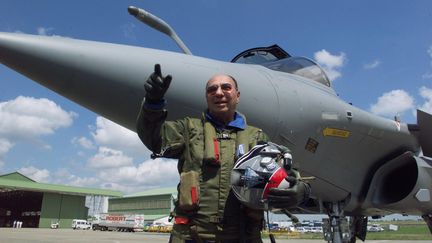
(31, 235)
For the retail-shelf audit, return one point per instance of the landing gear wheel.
(358, 228)
(337, 228)
(428, 219)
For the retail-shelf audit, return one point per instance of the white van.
(80, 224)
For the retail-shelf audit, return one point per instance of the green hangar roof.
(155, 192)
(17, 181)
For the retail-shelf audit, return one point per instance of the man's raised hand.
(156, 85)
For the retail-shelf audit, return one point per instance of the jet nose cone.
(12, 49)
(6, 42)
(133, 10)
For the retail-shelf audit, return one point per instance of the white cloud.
(148, 174)
(112, 135)
(84, 181)
(5, 146)
(44, 30)
(330, 63)
(326, 58)
(429, 51)
(127, 178)
(83, 142)
(109, 158)
(127, 189)
(426, 94)
(372, 65)
(113, 165)
(27, 117)
(63, 176)
(39, 175)
(95, 182)
(393, 103)
(129, 30)
(427, 76)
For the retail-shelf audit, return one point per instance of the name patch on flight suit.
(240, 150)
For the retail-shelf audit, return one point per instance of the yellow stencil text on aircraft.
(334, 132)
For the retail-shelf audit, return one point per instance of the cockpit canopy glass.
(275, 58)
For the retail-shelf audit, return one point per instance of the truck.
(118, 222)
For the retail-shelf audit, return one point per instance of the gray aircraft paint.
(108, 79)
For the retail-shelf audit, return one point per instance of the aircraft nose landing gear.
(337, 229)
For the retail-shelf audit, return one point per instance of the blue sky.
(378, 53)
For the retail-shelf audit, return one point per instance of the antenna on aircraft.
(158, 24)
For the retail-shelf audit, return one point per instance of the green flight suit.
(219, 216)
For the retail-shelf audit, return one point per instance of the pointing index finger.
(157, 70)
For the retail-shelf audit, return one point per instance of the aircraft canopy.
(277, 59)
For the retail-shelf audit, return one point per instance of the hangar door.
(24, 206)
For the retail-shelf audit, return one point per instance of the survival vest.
(205, 201)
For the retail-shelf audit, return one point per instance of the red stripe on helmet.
(274, 181)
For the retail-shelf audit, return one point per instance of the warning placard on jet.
(335, 132)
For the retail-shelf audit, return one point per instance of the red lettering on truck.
(115, 218)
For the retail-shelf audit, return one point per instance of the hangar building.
(154, 204)
(39, 205)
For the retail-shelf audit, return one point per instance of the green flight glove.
(297, 194)
(156, 85)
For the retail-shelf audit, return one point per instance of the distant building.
(154, 204)
(39, 205)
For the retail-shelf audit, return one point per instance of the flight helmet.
(254, 173)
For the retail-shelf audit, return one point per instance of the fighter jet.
(362, 165)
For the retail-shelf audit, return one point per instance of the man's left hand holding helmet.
(291, 197)
(266, 170)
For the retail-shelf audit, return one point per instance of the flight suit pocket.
(189, 190)
(196, 146)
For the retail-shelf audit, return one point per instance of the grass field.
(408, 230)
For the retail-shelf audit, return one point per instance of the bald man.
(206, 210)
